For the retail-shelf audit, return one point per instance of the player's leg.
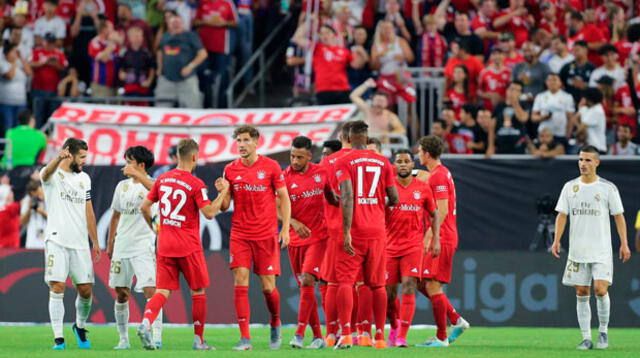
(393, 278)
(296, 257)
(307, 304)
(407, 308)
(266, 256)
(363, 303)
(346, 271)
(194, 269)
(81, 272)
(144, 268)
(578, 275)
(121, 314)
(458, 324)
(374, 269)
(240, 264)
(602, 279)
(56, 272)
(331, 314)
(156, 326)
(167, 280)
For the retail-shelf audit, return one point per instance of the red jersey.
(481, 22)
(441, 183)
(555, 27)
(624, 51)
(103, 73)
(433, 50)
(511, 62)
(253, 189)
(457, 100)
(330, 67)
(46, 78)
(333, 214)
(623, 99)
(589, 33)
(181, 197)
(405, 220)
(494, 81)
(10, 228)
(370, 175)
(216, 39)
(518, 25)
(472, 64)
(306, 192)
(458, 143)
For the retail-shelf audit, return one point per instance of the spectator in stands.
(439, 129)
(494, 80)
(295, 57)
(126, 20)
(48, 63)
(545, 146)
(458, 93)
(375, 145)
(593, 119)
(214, 20)
(331, 146)
(173, 162)
(624, 109)
(104, 50)
(624, 145)
(9, 216)
(561, 55)
(15, 72)
(471, 63)
(155, 14)
(394, 16)
(554, 109)
(33, 215)
(605, 85)
(244, 37)
(163, 29)
(137, 70)
(575, 75)
(181, 52)
(341, 22)
(449, 117)
(482, 24)
(83, 29)
(588, 33)
(182, 8)
(50, 23)
(532, 73)
(511, 55)
(542, 39)
(70, 85)
(27, 143)
(432, 46)
(463, 32)
(390, 55)
(477, 137)
(610, 67)
(507, 133)
(550, 21)
(380, 119)
(515, 19)
(23, 38)
(137, 8)
(360, 44)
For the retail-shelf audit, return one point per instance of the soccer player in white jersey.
(131, 244)
(589, 200)
(67, 192)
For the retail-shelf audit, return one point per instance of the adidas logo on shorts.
(316, 269)
(414, 270)
(238, 178)
(270, 268)
(294, 185)
(426, 272)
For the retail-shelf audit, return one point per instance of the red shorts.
(439, 268)
(369, 258)
(263, 254)
(193, 267)
(404, 266)
(328, 268)
(307, 259)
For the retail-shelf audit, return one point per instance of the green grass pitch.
(35, 341)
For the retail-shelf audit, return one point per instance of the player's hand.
(348, 247)
(625, 253)
(110, 251)
(301, 229)
(221, 185)
(371, 83)
(284, 238)
(435, 248)
(555, 249)
(129, 171)
(64, 154)
(96, 253)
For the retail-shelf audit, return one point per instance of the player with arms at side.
(182, 197)
(253, 181)
(436, 269)
(131, 244)
(589, 200)
(67, 192)
(366, 180)
(308, 187)
(407, 241)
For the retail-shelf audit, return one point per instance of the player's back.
(443, 187)
(333, 214)
(181, 195)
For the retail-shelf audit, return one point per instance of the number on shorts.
(50, 260)
(374, 184)
(573, 266)
(115, 267)
(166, 204)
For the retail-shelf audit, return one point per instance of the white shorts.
(581, 274)
(143, 267)
(62, 262)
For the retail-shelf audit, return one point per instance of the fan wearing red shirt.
(436, 271)
(182, 198)
(624, 108)
(515, 19)
(365, 180)
(472, 64)
(588, 33)
(255, 182)
(482, 23)
(9, 216)
(47, 63)
(308, 185)
(494, 80)
(406, 243)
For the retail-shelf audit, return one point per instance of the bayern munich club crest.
(261, 174)
(416, 195)
(317, 178)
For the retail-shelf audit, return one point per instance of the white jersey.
(66, 195)
(133, 236)
(558, 105)
(36, 227)
(588, 207)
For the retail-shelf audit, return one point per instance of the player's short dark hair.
(359, 127)
(441, 122)
(301, 142)
(472, 109)
(376, 142)
(7, 47)
(32, 185)
(581, 43)
(517, 83)
(24, 116)
(333, 145)
(463, 13)
(75, 145)
(593, 95)
(345, 129)
(141, 155)
(186, 147)
(251, 130)
(432, 145)
(402, 151)
(576, 15)
(590, 149)
(464, 44)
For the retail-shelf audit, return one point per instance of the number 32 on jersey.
(171, 203)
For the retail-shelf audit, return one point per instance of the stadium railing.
(428, 83)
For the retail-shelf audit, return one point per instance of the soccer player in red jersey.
(255, 182)
(407, 240)
(307, 185)
(436, 270)
(365, 180)
(182, 196)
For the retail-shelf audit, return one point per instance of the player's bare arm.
(285, 212)
(93, 232)
(331, 196)
(211, 210)
(561, 223)
(113, 226)
(621, 226)
(226, 201)
(301, 229)
(131, 172)
(145, 208)
(54, 164)
(432, 236)
(392, 195)
(347, 214)
(443, 209)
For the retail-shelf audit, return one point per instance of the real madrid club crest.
(81, 185)
(125, 188)
(261, 174)
(317, 178)
(597, 197)
(416, 195)
(576, 187)
(140, 195)
(61, 176)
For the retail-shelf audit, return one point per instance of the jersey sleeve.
(48, 182)
(88, 191)
(200, 194)
(439, 186)
(342, 171)
(94, 48)
(563, 201)
(429, 201)
(115, 203)
(277, 178)
(615, 203)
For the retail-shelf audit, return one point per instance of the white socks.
(121, 313)
(83, 309)
(156, 328)
(604, 305)
(56, 313)
(584, 316)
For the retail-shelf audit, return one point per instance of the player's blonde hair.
(186, 147)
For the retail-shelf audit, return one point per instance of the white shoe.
(123, 344)
(458, 329)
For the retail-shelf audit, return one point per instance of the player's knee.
(307, 280)
(149, 292)
(122, 295)
(600, 291)
(409, 289)
(582, 291)
(84, 291)
(56, 287)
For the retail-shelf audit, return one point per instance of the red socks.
(307, 302)
(314, 320)
(451, 313)
(365, 308)
(331, 313)
(345, 297)
(439, 305)
(392, 313)
(379, 295)
(243, 311)
(323, 296)
(153, 307)
(407, 309)
(273, 305)
(355, 312)
(199, 314)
